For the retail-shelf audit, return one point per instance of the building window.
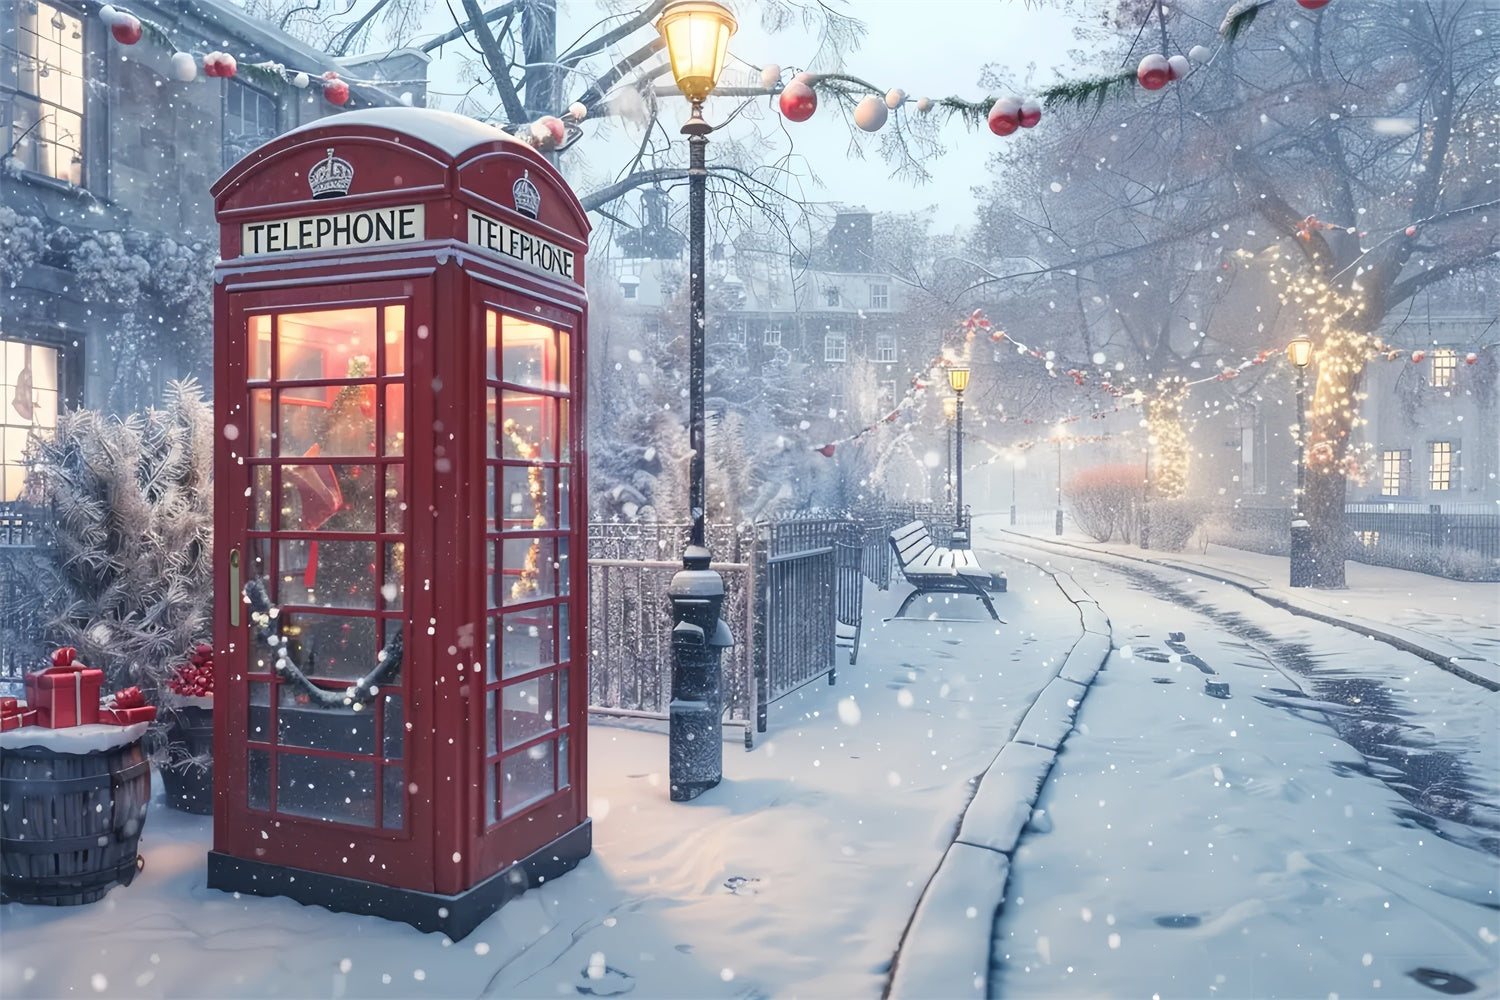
(885, 347)
(1444, 368)
(887, 397)
(1369, 539)
(832, 295)
(1395, 472)
(651, 329)
(629, 285)
(835, 346)
(249, 120)
(772, 336)
(28, 392)
(1440, 454)
(836, 405)
(734, 332)
(880, 296)
(46, 127)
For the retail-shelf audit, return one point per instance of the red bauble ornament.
(1031, 113)
(1471, 358)
(336, 92)
(798, 101)
(1154, 72)
(1313, 4)
(126, 28)
(211, 64)
(555, 128)
(826, 451)
(1005, 116)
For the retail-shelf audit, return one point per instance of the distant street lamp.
(958, 381)
(696, 33)
(1017, 461)
(1060, 432)
(1299, 353)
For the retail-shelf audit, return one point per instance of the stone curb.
(931, 960)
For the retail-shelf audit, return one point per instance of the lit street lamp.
(1299, 353)
(958, 381)
(696, 33)
(950, 411)
(1017, 461)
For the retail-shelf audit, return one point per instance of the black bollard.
(695, 747)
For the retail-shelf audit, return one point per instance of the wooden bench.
(931, 569)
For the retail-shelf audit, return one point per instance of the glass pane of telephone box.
(324, 344)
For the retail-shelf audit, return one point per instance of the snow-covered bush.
(20, 244)
(129, 583)
(1104, 499)
(1173, 522)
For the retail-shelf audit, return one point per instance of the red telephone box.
(400, 536)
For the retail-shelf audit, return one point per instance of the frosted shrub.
(1103, 500)
(1173, 522)
(129, 581)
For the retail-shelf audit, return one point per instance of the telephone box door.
(319, 532)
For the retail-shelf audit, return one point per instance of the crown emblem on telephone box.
(330, 178)
(528, 199)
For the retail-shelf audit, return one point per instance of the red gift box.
(66, 696)
(8, 705)
(19, 718)
(127, 716)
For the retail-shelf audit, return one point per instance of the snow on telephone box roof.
(401, 169)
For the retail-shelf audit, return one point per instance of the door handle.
(234, 588)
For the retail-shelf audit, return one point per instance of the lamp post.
(950, 411)
(1016, 461)
(958, 381)
(1060, 432)
(696, 33)
(1299, 353)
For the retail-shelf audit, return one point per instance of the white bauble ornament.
(770, 76)
(924, 104)
(184, 66)
(894, 97)
(406, 98)
(804, 77)
(300, 80)
(577, 111)
(871, 113)
(1200, 54)
(1180, 67)
(107, 14)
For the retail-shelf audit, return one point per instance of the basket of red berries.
(189, 704)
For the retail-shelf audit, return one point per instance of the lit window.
(28, 392)
(833, 295)
(885, 348)
(880, 296)
(835, 346)
(46, 127)
(1395, 472)
(1441, 455)
(1444, 368)
(249, 120)
(772, 337)
(1369, 539)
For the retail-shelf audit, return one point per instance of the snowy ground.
(1188, 845)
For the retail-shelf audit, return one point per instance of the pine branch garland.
(1239, 17)
(1098, 89)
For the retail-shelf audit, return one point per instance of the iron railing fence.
(1416, 537)
(794, 639)
(25, 538)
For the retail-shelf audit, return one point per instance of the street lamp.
(1060, 432)
(1299, 353)
(1017, 461)
(950, 411)
(696, 33)
(958, 381)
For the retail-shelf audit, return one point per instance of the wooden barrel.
(189, 783)
(70, 822)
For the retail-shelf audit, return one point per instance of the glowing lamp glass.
(697, 36)
(950, 406)
(1299, 352)
(958, 379)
